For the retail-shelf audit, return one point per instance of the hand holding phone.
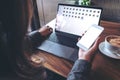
(89, 37)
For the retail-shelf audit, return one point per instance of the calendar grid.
(76, 20)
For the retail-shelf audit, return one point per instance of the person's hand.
(88, 55)
(45, 31)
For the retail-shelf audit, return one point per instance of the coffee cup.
(112, 44)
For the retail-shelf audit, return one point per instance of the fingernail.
(51, 29)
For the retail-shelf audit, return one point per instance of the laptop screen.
(75, 19)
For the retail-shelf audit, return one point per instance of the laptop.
(70, 23)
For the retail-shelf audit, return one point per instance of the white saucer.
(106, 52)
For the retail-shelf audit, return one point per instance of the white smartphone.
(89, 37)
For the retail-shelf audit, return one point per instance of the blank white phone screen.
(90, 36)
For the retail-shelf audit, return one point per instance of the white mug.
(115, 49)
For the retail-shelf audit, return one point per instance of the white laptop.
(70, 23)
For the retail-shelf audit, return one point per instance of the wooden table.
(103, 67)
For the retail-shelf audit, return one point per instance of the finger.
(81, 50)
(47, 26)
(50, 29)
(96, 42)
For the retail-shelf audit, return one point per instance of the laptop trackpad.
(57, 49)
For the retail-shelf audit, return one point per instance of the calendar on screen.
(76, 19)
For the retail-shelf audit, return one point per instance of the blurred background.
(47, 9)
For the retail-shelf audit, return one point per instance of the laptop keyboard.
(59, 50)
(53, 38)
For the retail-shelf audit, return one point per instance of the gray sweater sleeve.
(80, 71)
(33, 40)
